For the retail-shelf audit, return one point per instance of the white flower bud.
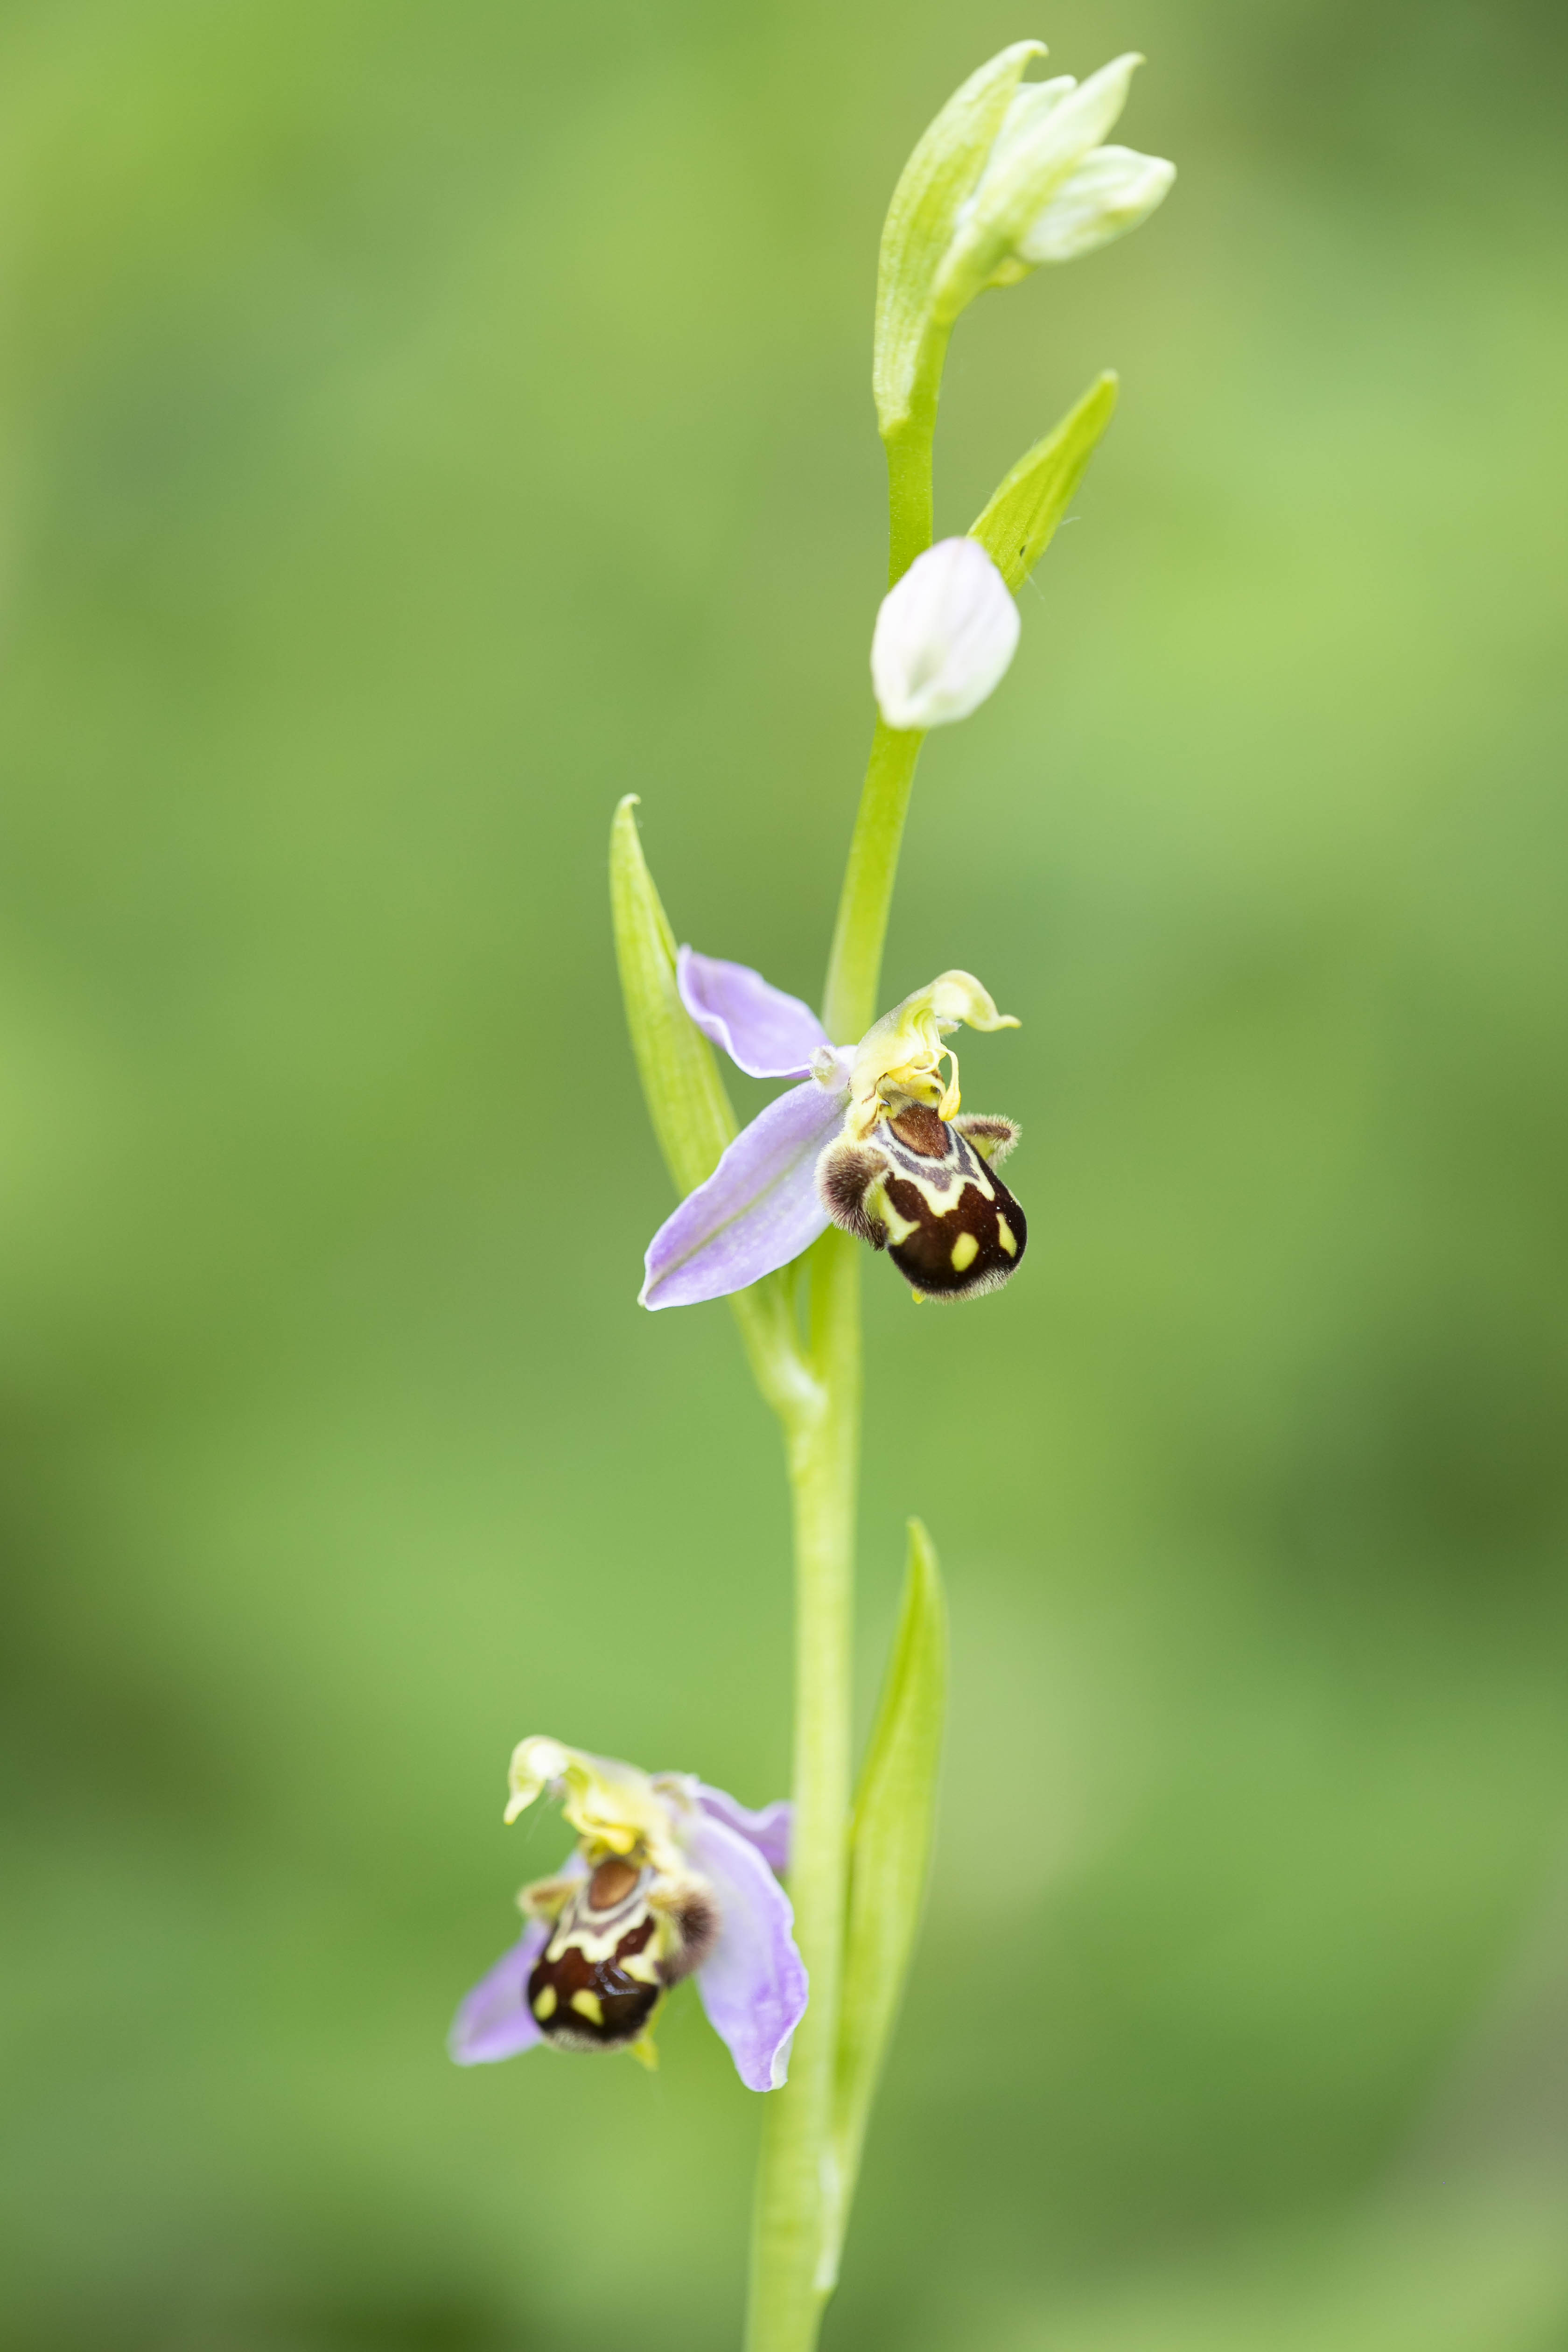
(944, 638)
(1011, 173)
(1112, 191)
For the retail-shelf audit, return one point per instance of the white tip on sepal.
(944, 638)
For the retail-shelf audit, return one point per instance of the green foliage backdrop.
(424, 423)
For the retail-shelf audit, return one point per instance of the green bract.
(890, 1853)
(922, 219)
(681, 1082)
(1020, 521)
(687, 1105)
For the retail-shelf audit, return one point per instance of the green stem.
(910, 515)
(910, 511)
(796, 2191)
(855, 966)
(797, 2225)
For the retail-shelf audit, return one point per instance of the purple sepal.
(753, 1983)
(495, 2019)
(757, 1211)
(768, 1829)
(765, 1032)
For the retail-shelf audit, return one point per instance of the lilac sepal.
(768, 1829)
(765, 1032)
(757, 1211)
(494, 2021)
(753, 1983)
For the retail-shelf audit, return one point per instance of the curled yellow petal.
(535, 1763)
(958, 996)
(615, 1808)
(899, 1059)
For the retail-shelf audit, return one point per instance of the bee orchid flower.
(668, 1879)
(869, 1138)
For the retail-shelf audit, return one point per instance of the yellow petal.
(958, 996)
(901, 1055)
(614, 1807)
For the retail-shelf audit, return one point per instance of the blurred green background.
(424, 423)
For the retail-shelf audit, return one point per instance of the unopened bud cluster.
(1050, 190)
(1012, 175)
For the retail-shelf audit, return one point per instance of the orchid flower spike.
(871, 1138)
(668, 1879)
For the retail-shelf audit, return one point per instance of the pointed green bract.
(685, 1094)
(689, 1108)
(890, 1849)
(922, 220)
(1017, 526)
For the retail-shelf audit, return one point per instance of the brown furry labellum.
(926, 1190)
(622, 1937)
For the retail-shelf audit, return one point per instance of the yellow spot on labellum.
(918, 1295)
(1005, 1236)
(545, 2003)
(966, 1250)
(589, 2005)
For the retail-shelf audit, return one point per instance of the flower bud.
(1049, 190)
(1113, 190)
(944, 638)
